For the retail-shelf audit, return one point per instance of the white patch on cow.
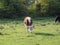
(29, 19)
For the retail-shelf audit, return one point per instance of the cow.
(28, 24)
(57, 19)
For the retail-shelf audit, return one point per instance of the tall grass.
(45, 32)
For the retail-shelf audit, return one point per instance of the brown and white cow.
(28, 24)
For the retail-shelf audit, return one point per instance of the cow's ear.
(31, 21)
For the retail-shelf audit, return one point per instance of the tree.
(54, 7)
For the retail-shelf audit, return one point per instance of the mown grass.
(45, 32)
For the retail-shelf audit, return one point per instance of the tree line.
(20, 8)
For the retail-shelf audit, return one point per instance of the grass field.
(45, 32)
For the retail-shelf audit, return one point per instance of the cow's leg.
(56, 19)
(31, 28)
(26, 27)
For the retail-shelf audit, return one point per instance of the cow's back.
(28, 21)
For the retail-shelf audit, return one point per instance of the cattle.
(28, 24)
(57, 19)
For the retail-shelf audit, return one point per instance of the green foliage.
(54, 7)
(20, 8)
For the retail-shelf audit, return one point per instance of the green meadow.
(45, 32)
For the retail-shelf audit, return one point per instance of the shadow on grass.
(4, 34)
(45, 34)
